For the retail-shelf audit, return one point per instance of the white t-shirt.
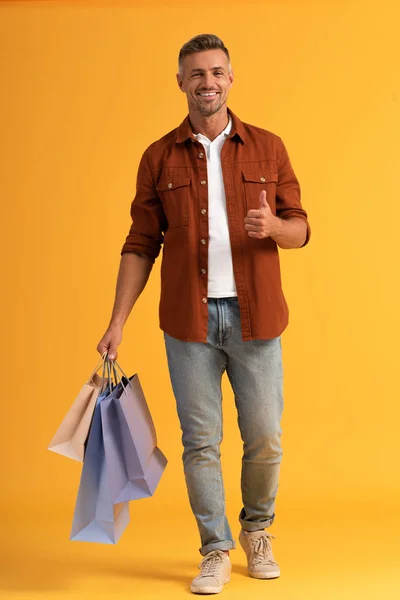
(221, 281)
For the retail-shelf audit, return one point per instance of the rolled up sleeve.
(288, 194)
(146, 234)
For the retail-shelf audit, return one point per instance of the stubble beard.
(208, 111)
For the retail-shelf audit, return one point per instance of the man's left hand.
(262, 223)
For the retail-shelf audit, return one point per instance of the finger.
(263, 199)
(109, 349)
(253, 221)
(255, 234)
(254, 214)
(250, 227)
(101, 348)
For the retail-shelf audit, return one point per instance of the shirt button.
(262, 179)
(203, 271)
(203, 211)
(203, 241)
(170, 185)
(201, 155)
(204, 300)
(203, 182)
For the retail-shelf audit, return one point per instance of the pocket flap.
(172, 183)
(259, 174)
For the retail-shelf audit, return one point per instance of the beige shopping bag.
(72, 434)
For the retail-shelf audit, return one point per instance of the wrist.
(279, 225)
(116, 323)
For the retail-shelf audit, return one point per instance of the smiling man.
(221, 196)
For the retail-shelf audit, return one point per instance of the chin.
(206, 111)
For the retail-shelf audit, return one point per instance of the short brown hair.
(200, 43)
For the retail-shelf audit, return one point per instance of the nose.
(209, 81)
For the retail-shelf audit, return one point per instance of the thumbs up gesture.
(261, 223)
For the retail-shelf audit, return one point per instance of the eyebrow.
(202, 70)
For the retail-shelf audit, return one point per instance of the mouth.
(208, 95)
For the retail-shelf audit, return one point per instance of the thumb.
(112, 353)
(263, 199)
(109, 349)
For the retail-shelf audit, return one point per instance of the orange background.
(85, 88)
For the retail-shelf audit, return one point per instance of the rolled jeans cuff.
(224, 545)
(254, 525)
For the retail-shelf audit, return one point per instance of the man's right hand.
(110, 342)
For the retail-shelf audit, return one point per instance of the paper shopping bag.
(71, 435)
(96, 518)
(134, 462)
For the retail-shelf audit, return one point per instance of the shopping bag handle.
(98, 365)
(123, 372)
(112, 372)
(116, 364)
(103, 379)
(117, 376)
(110, 366)
(107, 365)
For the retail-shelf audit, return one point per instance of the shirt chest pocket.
(256, 179)
(174, 194)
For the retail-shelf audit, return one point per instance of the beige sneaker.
(260, 560)
(215, 570)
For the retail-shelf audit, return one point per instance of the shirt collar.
(225, 132)
(234, 128)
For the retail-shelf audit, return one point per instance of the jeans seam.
(221, 438)
(234, 393)
(220, 323)
(231, 379)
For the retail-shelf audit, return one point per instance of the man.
(221, 196)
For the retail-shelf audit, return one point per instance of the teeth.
(210, 94)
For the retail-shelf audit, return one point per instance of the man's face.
(206, 81)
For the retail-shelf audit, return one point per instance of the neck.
(211, 126)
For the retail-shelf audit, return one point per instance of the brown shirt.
(171, 208)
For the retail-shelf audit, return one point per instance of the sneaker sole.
(273, 575)
(210, 589)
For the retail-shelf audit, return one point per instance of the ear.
(231, 78)
(180, 82)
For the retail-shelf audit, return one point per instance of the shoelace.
(211, 563)
(262, 547)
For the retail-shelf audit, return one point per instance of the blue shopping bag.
(135, 464)
(96, 518)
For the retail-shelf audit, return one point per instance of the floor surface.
(319, 559)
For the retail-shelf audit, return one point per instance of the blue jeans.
(255, 373)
